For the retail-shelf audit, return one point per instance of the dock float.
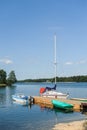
(80, 99)
(43, 101)
(47, 102)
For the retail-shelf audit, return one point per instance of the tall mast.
(55, 59)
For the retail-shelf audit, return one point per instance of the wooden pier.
(46, 102)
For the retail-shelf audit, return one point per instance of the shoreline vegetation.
(75, 125)
(11, 79)
(7, 80)
(58, 79)
(3, 85)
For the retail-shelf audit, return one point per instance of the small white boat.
(22, 99)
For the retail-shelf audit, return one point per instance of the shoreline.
(75, 125)
(3, 85)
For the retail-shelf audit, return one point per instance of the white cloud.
(81, 62)
(68, 63)
(6, 61)
(74, 63)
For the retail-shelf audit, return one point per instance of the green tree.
(2, 77)
(11, 78)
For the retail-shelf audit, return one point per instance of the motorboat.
(22, 99)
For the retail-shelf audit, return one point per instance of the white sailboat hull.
(54, 94)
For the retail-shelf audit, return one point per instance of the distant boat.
(62, 105)
(80, 99)
(22, 99)
(48, 91)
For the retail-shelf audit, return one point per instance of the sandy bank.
(76, 125)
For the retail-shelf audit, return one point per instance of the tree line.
(59, 79)
(11, 78)
(7, 80)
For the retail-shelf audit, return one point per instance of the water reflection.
(34, 116)
(5, 95)
(2, 96)
(55, 110)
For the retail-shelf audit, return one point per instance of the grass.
(2, 85)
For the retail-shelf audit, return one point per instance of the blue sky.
(27, 30)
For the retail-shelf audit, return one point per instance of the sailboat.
(51, 92)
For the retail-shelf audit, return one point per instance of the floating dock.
(43, 101)
(46, 102)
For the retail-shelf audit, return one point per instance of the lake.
(15, 116)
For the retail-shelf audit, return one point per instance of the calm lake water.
(14, 116)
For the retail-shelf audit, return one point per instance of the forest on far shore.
(59, 79)
(11, 78)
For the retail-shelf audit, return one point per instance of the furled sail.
(48, 88)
